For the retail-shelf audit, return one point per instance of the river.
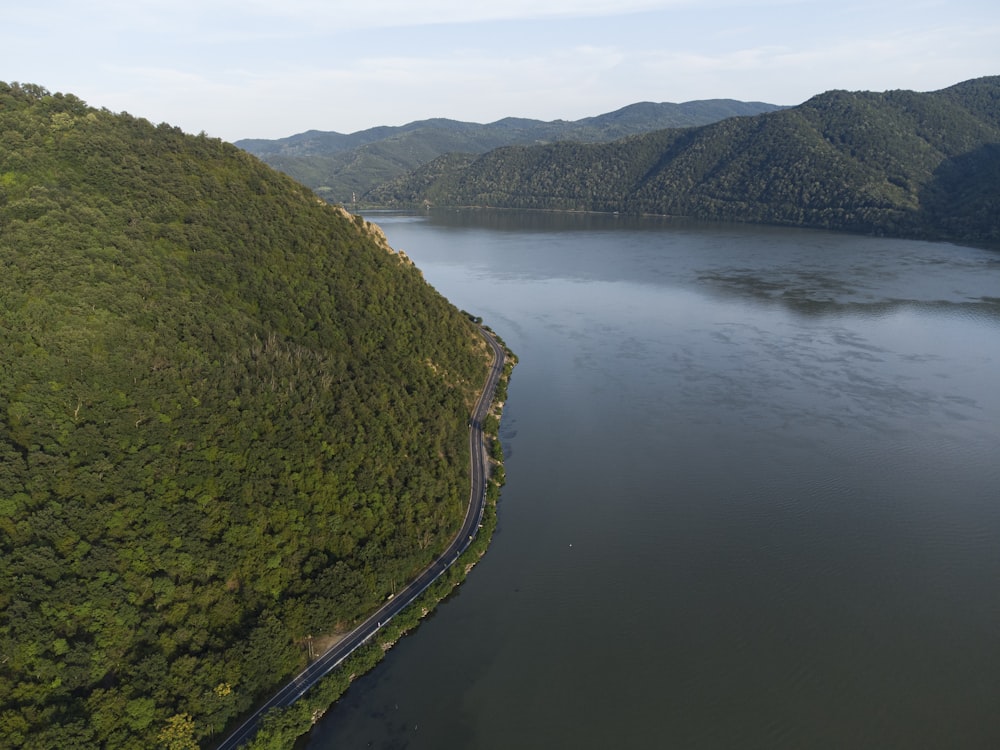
(752, 501)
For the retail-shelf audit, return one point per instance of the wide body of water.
(753, 496)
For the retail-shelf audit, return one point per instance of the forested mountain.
(339, 166)
(899, 162)
(231, 418)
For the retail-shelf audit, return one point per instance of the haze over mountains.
(343, 167)
(897, 163)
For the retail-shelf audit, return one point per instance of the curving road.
(318, 669)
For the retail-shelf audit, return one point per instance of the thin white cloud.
(260, 68)
(366, 91)
(791, 72)
(312, 16)
(409, 13)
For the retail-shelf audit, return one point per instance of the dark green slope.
(341, 166)
(230, 418)
(898, 162)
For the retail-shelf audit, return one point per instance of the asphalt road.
(322, 666)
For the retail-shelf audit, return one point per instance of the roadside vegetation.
(281, 728)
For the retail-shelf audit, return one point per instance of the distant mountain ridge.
(894, 163)
(340, 166)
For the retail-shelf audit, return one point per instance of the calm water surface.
(753, 496)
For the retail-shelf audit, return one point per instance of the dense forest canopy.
(231, 418)
(341, 167)
(896, 163)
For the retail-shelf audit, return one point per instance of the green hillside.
(340, 167)
(899, 162)
(230, 418)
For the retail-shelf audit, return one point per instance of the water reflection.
(808, 272)
(751, 496)
(812, 294)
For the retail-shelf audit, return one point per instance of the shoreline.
(289, 727)
(685, 219)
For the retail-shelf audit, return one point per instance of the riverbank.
(282, 729)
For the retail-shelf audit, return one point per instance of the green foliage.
(230, 417)
(280, 728)
(178, 733)
(339, 167)
(898, 163)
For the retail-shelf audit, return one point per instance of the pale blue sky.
(257, 69)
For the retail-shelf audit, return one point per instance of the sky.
(274, 68)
